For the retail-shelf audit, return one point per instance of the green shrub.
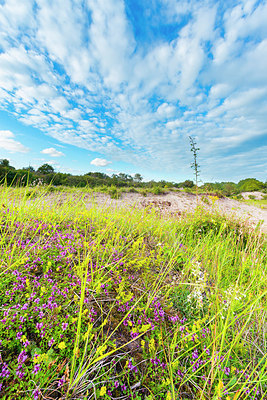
(114, 192)
(205, 200)
(238, 197)
(132, 190)
(157, 190)
(143, 192)
(250, 185)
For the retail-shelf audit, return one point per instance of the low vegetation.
(128, 304)
(116, 184)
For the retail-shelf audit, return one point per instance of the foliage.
(45, 169)
(45, 175)
(250, 185)
(187, 184)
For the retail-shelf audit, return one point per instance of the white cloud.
(52, 152)
(85, 79)
(100, 162)
(111, 171)
(8, 143)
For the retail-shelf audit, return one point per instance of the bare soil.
(176, 204)
(257, 195)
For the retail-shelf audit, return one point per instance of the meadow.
(105, 303)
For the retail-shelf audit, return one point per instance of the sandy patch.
(177, 203)
(257, 195)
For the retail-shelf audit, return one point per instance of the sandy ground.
(175, 204)
(257, 195)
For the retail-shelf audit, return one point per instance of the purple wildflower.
(132, 367)
(36, 393)
(61, 381)
(5, 372)
(19, 335)
(51, 342)
(22, 357)
(20, 372)
(39, 325)
(64, 326)
(195, 354)
(36, 369)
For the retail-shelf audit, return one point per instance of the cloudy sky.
(119, 85)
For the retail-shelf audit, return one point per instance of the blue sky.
(118, 86)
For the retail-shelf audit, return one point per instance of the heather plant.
(125, 304)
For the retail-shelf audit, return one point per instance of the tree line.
(46, 175)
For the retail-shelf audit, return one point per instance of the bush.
(157, 190)
(132, 190)
(250, 185)
(204, 222)
(143, 192)
(238, 197)
(205, 200)
(114, 192)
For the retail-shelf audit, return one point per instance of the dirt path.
(177, 203)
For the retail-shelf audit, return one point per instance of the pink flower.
(64, 326)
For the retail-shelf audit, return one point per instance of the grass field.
(258, 203)
(127, 304)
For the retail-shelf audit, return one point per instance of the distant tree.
(4, 162)
(188, 184)
(249, 185)
(99, 175)
(138, 178)
(229, 189)
(45, 169)
(125, 177)
(29, 168)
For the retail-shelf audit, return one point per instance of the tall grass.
(123, 303)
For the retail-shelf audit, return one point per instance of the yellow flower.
(152, 344)
(219, 387)
(169, 396)
(166, 382)
(23, 339)
(103, 391)
(38, 359)
(62, 345)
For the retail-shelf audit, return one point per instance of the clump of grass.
(114, 192)
(157, 190)
(143, 192)
(131, 190)
(205, 200)
(103, 303)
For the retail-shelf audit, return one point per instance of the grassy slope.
(257, 203)
(126, 304)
